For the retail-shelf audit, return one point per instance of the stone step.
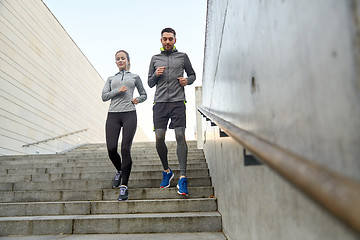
(86, 158)
(102, 194)
(109, 174)
(135, 158)
(74, 154)
(126, 236)
(112, 223)
(93, 162)
(148, 145)
(133, 150)
(89, 154)
(94, 184)
(107, 207)
(71, 193)
(109, 167)
(146, 155)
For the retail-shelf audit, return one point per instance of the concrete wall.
(48, 87)
(287, 71)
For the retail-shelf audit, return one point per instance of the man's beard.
(168, 48)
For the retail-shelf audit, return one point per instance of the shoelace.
(183, 184)
(117, 176)
(165, 174)
(122, 190)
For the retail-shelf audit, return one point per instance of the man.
(166, 73)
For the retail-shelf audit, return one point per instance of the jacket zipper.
(168, 80)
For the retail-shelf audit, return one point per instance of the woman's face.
(121, 61)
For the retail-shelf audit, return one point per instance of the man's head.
(168, 39)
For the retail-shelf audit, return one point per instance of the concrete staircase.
(71, 194)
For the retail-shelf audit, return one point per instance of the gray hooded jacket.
(121, 102)
(168, 88)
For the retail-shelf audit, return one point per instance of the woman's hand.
(135, 101)
(122, 89)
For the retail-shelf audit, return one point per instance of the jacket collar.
(123, 71)
(173, 50)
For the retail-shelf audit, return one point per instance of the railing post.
(199, 132)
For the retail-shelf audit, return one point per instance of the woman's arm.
(107, 92)
(140, 87)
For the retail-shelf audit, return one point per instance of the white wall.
(48, 87)
(288, 72)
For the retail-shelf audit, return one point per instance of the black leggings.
(115, 121)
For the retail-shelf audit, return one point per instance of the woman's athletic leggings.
(128, 122)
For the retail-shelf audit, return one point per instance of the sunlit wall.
(48, 87)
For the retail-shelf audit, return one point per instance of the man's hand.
(122, 89)
(159, 71)
(135, 101)
(183, 81)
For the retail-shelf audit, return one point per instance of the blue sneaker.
(182, 186)
(165, 183)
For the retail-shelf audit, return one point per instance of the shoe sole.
(180, 193)
(169, 182)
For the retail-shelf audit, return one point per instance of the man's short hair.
(168, 30)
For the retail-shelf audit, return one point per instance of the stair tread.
(127, 236)
(114, 201)
(115, 216)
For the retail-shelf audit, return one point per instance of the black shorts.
(163, 111)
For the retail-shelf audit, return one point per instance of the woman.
(122, 114)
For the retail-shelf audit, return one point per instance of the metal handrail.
(53, 138)
(338, 194)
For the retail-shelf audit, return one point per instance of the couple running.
(166, 73)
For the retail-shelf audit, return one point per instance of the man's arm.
(152, 77)
(189, 70)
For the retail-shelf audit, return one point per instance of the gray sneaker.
(124, 194)
(117, 180)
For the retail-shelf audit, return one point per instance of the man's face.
(168, 41)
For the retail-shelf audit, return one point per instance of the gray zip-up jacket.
(121, 102)
(168, 88)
